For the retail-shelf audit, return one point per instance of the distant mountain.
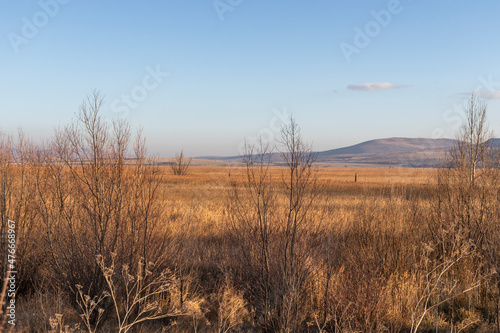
(401, 152)
(390, 145)
(494, 142)
(404, 152)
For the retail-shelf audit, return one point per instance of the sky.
(204, 76)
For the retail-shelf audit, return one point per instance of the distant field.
(338, 175)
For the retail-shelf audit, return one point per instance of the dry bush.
(92, 202)
(180, 165)
(232, 310)
(402, 291)
(20, 162)
(140, 296)
(275, 231)
(42, 307)
(439, 282)
(358, 301)
(466, 205)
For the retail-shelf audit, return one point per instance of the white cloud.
(487, 94)
(375, 86)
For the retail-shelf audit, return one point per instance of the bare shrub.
(438, 286)
(467, 196)
(20, 163)
(253, 213)
(180, 165)
(137, 296)
(275, 229)
(89, 307)
(92, 202)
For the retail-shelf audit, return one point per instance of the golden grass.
(378, 226)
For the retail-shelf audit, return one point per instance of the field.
(371, 259)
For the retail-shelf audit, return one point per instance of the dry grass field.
(369, 261)
(108, 240)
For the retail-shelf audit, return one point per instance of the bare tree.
(467, 180)
(253, 220)
(92, 202)
(301, 189)
(271, 217)
(468, 200)
(473, 141)
(180, 165)
(92, 162)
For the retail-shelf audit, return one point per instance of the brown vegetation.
(109, 246)
(180, 165)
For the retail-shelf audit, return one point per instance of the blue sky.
(235, 67)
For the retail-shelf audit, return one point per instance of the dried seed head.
(53, 323)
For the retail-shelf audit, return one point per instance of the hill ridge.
(392, 151)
